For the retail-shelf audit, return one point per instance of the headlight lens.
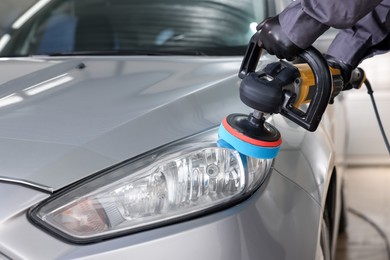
(191, 177)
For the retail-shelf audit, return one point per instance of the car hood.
(64, 119)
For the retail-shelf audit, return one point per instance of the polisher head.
(259, 140)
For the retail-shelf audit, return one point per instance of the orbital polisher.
(300, 92)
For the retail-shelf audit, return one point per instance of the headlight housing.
(189, 178)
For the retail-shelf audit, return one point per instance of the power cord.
(370, 92)
(354, 211)
(375, 226)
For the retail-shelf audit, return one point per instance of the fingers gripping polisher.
(280, 87)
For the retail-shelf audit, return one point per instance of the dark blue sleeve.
(305, 20)
(354, 44)
(340, 14)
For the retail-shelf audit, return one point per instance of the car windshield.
(132, 27)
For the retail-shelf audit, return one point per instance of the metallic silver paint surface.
(12, 68)
(118, 108)
(306, 159)
(110, 111)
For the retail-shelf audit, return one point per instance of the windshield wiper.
(164, 51)
(158, 52)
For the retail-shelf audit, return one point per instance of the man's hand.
(351, 78)
(345, 69)
(273, 39)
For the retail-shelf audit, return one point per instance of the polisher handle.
(251, 57)
(323, 81)
(311, 118)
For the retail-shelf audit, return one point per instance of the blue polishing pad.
(246, 148)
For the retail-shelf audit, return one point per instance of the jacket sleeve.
(368, 37)
(305, 20)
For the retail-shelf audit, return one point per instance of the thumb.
(260, 25)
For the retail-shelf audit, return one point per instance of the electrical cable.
(354, 211)
(375, 226)
(370, 92)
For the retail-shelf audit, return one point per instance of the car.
(109, 113)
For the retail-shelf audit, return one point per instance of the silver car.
(109, 111)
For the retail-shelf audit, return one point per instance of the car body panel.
(290, 202)
(302, 161)
(65, 119)
(121, 98)
(61, 146)
(15, 68)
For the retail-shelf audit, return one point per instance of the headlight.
(188, 178)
